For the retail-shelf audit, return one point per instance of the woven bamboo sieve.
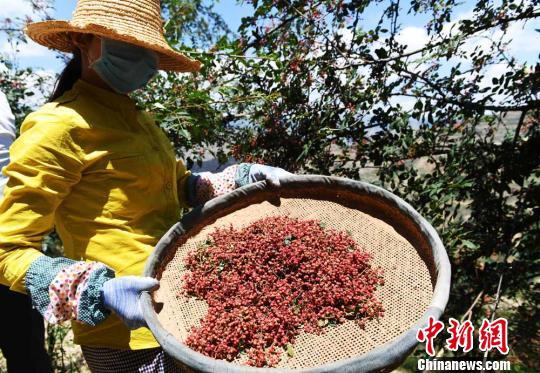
(416, 273)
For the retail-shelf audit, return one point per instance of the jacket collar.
(103, 96)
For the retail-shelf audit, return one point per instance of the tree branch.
(518, 128)
(9, 29)
(498, 298)
(475, 105)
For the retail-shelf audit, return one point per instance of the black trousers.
(22, 334)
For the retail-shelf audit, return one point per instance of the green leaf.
(290, 350)
(221, 266)
(185, 134)
(288, 240)
(469, 244)
(381, 53)
(305, 152)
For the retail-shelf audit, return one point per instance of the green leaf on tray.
(290, 350)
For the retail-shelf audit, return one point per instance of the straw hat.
(132, 21)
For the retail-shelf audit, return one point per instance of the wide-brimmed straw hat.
(136, 22)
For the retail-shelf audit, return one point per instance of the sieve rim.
(382, 357)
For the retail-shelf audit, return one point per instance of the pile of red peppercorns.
(267, 282)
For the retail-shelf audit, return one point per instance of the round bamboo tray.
(415, 263)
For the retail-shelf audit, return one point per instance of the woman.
(105, 176)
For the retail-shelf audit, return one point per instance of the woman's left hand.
(259, 172)
(122, 295)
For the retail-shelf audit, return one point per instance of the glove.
(258, 172)
(122, 295)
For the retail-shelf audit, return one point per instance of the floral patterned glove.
(204, 186)
(62, 289)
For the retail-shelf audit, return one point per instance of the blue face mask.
(125, 67)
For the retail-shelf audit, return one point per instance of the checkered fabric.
(106, 360)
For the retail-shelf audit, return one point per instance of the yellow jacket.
(102, 173)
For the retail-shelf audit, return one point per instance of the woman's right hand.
(122, 296)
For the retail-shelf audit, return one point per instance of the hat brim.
(56, 35)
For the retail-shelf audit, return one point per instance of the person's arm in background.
(7, 135)
(201, 187)
(46, 162)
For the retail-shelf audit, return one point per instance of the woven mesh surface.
(408, 273)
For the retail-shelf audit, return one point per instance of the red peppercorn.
(267, 282)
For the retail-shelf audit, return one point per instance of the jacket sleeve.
(45, 163)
